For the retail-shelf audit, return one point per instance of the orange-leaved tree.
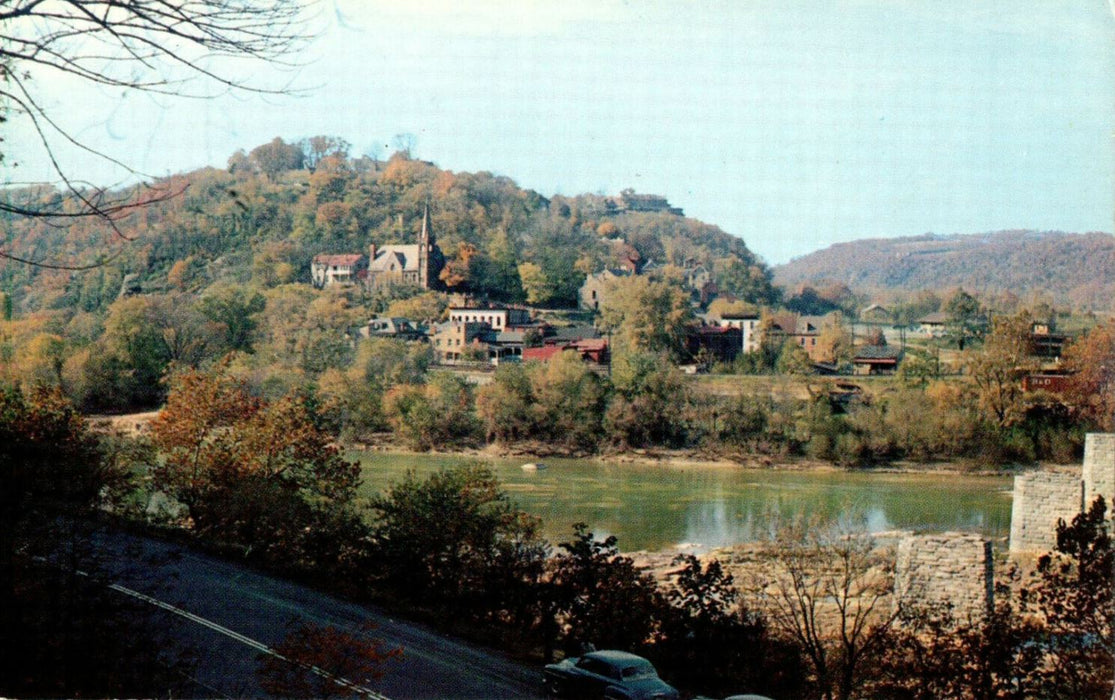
(998, 367)
(1091, 390)
(254, 473)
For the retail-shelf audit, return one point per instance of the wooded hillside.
(261, 221)
(1068, 269)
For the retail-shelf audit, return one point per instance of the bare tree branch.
(153, 46)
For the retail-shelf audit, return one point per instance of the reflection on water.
(657, 507)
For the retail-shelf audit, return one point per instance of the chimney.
(371, 253)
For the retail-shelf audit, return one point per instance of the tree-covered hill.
(262, 219)
(1076, 270)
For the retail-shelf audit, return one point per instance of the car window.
(596, 666)
(643, 670)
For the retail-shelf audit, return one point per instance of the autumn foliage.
(1092, 386)
(251, 472)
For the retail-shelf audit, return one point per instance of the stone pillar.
(1099, 468)
(954, 569)
(1040, 499)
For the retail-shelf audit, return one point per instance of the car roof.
(615, 657)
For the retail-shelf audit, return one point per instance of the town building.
(506, 345)
(714, 343)
(414, 263)
(595, 287)
(476, 341)
(343, 269)
(1055, 382)
(875, 313)
(934, 325)
(806, 332)
(569, 334)
(1045, 343)
(390, 327)
(876, 359)
(455, 341)
(629, 200)
(748, 324)
(499, 318)
(594, 351)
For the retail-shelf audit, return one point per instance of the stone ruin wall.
(1099, 468)
(953, 569)
(1040, 500)
(958, 568)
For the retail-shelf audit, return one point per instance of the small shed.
(934, 324)
(876, 313)
(876, 359)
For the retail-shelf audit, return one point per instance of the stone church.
(415, 263)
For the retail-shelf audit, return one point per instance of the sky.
(792, 124)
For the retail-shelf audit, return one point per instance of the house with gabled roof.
(803, 331)
(344, 269)
(806, 332)
(935, 324)
(875, 313)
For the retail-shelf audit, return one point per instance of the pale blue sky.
(791, 124)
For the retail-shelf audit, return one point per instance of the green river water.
(657, 507)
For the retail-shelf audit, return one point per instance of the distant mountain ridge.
(1076, 269)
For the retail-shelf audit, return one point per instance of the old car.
(606, 674)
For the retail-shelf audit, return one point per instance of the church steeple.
(424, 243)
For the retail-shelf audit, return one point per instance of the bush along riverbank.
(564, 408)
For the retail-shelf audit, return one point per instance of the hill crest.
(1074, 269)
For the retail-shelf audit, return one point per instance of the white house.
(326, 270)
(497, 318)
(748, 325)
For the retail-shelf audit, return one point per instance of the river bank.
(134, 424)
(681, 458)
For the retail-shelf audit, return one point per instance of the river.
(658, 507)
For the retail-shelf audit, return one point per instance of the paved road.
(221, 609)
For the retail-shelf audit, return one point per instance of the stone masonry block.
(1040, 500)
(951, 569)
(1099, 467)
